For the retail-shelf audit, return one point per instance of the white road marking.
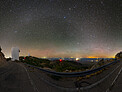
(117, 76)
(34, 87)
(108, 90)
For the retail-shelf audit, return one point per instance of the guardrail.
(73, 74)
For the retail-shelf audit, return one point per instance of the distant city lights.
(44, 57)
(77, 59)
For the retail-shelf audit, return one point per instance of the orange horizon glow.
(7, 56)
(92, 57)
(101, 57)
(49, 54)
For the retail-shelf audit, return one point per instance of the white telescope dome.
(15, 53)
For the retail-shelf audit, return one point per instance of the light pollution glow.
(59, 28)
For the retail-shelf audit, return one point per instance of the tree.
(118, 55)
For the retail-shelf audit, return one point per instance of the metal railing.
(73, 74)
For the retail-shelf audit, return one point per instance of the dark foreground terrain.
(16, 77)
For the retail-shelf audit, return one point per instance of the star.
(70, 9)
(15, 31)
(102, 2)
(78, 43)
(64, 17)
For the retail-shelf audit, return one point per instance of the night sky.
(61, 28)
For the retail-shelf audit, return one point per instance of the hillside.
(2, 57)
(59, 66)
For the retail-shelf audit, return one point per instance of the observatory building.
(15, 53)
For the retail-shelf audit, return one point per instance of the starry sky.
(61, 28)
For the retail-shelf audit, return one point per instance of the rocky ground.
(2, 59)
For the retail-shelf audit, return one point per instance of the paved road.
(116, 83)
(14, 77)
(117, 87)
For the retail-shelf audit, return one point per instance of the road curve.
(117, 84)
(14, 77)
